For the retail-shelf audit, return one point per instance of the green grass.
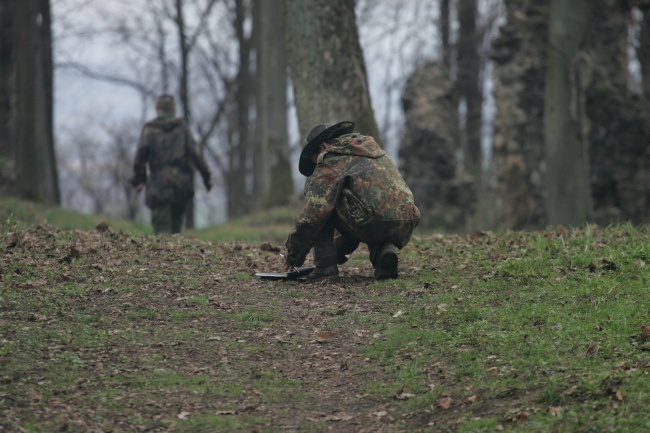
(31, 213)
(551, 314)
(271, 225)
(523, 332)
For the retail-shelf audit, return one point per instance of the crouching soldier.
(168, 148)
(354, 193)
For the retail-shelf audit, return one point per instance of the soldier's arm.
(140, 162)
(321, 194)
(198, 160)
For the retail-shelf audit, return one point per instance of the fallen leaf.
(471, 399)
(183, 415)
(618, 395)
(335, 418)
(591, 349)
(445, 403)
(399, 313)
(571, 390)
(325, 335)
(555, 410)
(269, 247)
(226, 412)
(402, 394)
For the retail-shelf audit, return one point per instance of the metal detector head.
(293, 275)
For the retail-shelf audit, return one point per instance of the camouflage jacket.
(356, 181)
(167, 146)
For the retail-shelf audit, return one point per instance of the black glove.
(208, 184)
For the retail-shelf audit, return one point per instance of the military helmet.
(165, 104)
(319, 134)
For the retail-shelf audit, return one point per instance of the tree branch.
(114, 79)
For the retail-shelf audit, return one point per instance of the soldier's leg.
(178, 216)
(345, 245)
(324, 249)
(325, 255)
(161, 219)
(383, 245)
(384, 259)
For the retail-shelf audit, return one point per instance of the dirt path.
(151, 333)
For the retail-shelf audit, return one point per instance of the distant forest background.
(500, 113)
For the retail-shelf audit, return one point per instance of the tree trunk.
(239, 200)
(428, 151)
(36, 176)
(327, 67)
(7, 97)
(445, 24)
(567, 186)
(519, 55)
(273, 182)
(644, 52)
(469, 87)
(619, 130)
(183, 87)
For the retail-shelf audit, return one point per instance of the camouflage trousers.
(168, 218)
(339, 238)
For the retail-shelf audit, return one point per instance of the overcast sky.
(396, 36)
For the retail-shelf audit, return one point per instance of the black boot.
(324, 273)
(386, 263)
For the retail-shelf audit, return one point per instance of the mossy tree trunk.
(519, 55)
(566, 182)
(644, 50)
(619, 129)
(273, 182)
(469, 87)
(30, 98)
(428, 158)
(327, 67)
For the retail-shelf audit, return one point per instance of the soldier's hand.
(286, 267)
(139, 187)
(208, 184)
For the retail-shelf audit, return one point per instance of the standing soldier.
(354, 193)
(168, 148)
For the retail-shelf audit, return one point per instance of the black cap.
(318, 134)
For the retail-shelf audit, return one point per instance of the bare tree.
(97, 166)
(173, 46)
(240, 137)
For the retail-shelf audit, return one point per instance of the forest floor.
(103, 331)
